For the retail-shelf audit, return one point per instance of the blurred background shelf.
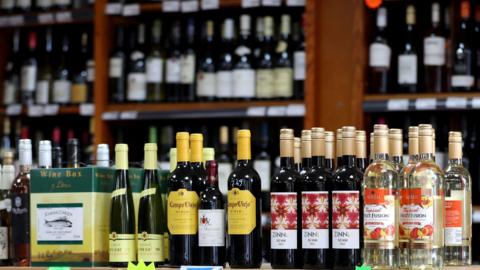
(37, 19)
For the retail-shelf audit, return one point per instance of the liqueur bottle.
(407, 77)
(285, 200)
(379, 56)
(458, 206)
(244, 189)
(395, 147)
(434, 54)
(297, 156)
(306, 152)
(361, 149)
(380, 206)
(196, 162)
(330, 151)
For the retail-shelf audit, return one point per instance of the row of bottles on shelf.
(49, 67)
(223, 63)
(440, 60)
(22, 6)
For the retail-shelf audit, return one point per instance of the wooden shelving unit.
(39, 19)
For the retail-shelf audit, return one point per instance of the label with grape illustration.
(416, 214)
(379, 214)
(315, 220)
(284, 220)
(453, 222)
(346, 219)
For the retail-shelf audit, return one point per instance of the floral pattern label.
(379, 214)
(416, 214)
(453, 222)
(315, 220)
(346, 219)
(284, 220)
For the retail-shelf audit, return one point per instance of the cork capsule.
(296, 150)
(318, 133)
(413, 132)
(348, 132)
(413, 141)
(306, 144)
(329, 145)
(348, 141)
(360, 144)
(425, 130)
(286, 134)
(395, 142)
(306, 135)
(339, 142)
(425, 139)
(455, 136)
(455, 145)
(380, 141)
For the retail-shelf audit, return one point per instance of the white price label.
(276, 111)
(423, 104)
(113, 9)
(16, 20)
(131, 10)
(64, 16)
(35, 111)
(296, 110)
(87, 109)
(295, 3)
(456, 103)
(171, 6)
(51, 109)
(250, 3)
(209, 4)
(14, 109)
(110, 116)
(397, 105)
(257, 111)
(189, 6)
(475, 103)
(271, 3)
(129, 115)
(45, 18)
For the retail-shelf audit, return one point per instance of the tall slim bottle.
(20, 194)
(379, 56)
(347, 207)
(306, 152)
(463, 77)
(150, 212)
(154, 68)
(244, 208)
(458, 206)
(434, 54)
(196, 162)
(361, 149)
(122, 243)
(8, 174)
(380, 206)
(45, 154)
(407, 76)
(283, 71)
(395, 147)
(330, 151)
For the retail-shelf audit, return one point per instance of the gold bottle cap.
(182, 136)
(411, 15)
(243, 144)
(244, 133)
(196, 137)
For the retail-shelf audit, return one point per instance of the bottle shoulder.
(453, 173)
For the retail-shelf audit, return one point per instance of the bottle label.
(379, 215)
(211, 227)
(265, 82)
(242, 50)
(60, 223)
(21, 218)
(116, 67)
(462, 80)
(182, 212)
(264, 169)
(122, 247)
(90, 70)
(379, 55)
(315, 220)
(7, 4)
(150, 247)
(9, 92)
(29, 77)
(224, 84)
(4, 243)
(44, 3)
(283, 82)
(407, 69)
(166, 246)
(79, 93)
(174, 70)
(206, 84)
(154, 70)
(63, 2)
(453, 222)
(164, 165)
(282, 46)
(284, 220)
(24, 3)
(346, 219)
(434, 51)
(61, 91)
(43, 90)
(137, 86)
(241, 212)
(243, 83)
(224, 170)
(6, 204)
(187, 66)
(299, 65)
(416, 214)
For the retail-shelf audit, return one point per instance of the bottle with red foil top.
(380, 209)
(423, 207)
(285, 208)
(458, 206)
(347, 216)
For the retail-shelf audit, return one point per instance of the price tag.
(296, 110)
(45, 18)
(51, 109)
(171, 6)
(250, 3)
(110, 116)
(271, 3)
(13, 109)
(113, 9)
(16, 20)
(210, 4)
(87, 109)
(475, 103)
(129, 115)
(276, 111)
(257, 111)
(397, 105)
(58, 268)
(35, 111)
(64, 16)
(131, 10)
(189, 6)
(295, 3)
(456, 103)
(424, 104)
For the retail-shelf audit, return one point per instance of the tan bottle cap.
(286, 134)
(395, 140)
(329, 144)
(286, 142)
(410, 15)
(361, 144)
(296, 150)
(318, 133)
(455, 145)
(348, 132)
(306, 148)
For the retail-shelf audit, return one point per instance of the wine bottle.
(63, 4)
(244, 209)
(57, 157)
(434, 54)
(136, 78)
(196, 162)
(45, 154)
(7, 6)
(259, 37)
(62, 84)
(263, 165)
(122, 243)
(20, 194)
(330, 151)
(173, 67)
(225, 62)
(182, 222)
(45, 76)
(297, 156)
(103, 156)
(73, 153)
(299, 59)
(22, 6)
(44, 5)
(6, 143)
(379, 56)
(372, 143)
(116, 68)
(150, 212)
(285, 200)
(12, 71)
(339, 145)
(347, 231)
(395, 147)
(29, 70)
(224, 161)
(79, 80)
(211, 220)
(283, 71)
(188, 63)
(5, 220)
(154, 65)
(463, 78)
(243, 66)
(477, 45)
(265, 77)
(90, 68)
(407, 77)
(361, 150)
(306, 152)
(206, 77)
(208, 155)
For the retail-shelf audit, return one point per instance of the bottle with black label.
(463, 77)
(136, 78)
(28, 71)
(379, 56)
(243, 62)
(299, 59)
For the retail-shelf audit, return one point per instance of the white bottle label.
(315, 220)
(137, 86)
(299, 65)
(24, 3)
(434, 51)
(462, 80)
(284, 220)
(211, 227)
(379, 55)
(44, 3)
(244, 83)
(90, 70)
(407, 69)
(263, 168)
(3, 243)
(62, 91)
(28, 78)
(224, 170)
(206, 84)
(187, 64)
(9, 92)
(116, 67)
(60, 223)
(265, 83)
(154, 70)
(224, 84)
(283, 84)
(43, 90)
(454, 218)
(173, 71)
(346, 219)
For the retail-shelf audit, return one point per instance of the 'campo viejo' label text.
(241, 212)
(182, 212)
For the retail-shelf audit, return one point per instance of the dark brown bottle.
(434, 54)
(379, 57)
(463, 77)
(73, 154)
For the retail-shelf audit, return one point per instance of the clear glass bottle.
(458, 205)
(395, 147)
(380, 206)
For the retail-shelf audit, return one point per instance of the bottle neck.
(427, 157)
(306, 163)
(397, 159)
(318, 161)
(455, 162)
(286, 162)
(348, 161)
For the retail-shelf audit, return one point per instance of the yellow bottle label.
(122, 248)
(166, 246)
(241, 211)
(182, 212)
(150, 247)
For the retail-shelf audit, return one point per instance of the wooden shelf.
(373, 97)
(34, 19)
(46, 111)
